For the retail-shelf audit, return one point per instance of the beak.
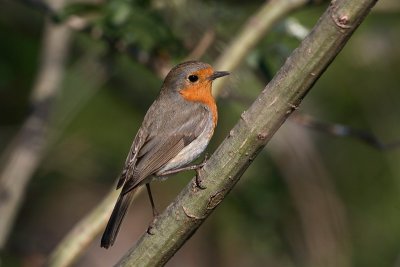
(218, 74)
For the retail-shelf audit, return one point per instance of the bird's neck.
(203, 95)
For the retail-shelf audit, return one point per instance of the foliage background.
(270, 219)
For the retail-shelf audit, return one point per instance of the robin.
(175, 131)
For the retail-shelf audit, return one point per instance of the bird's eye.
(193, 78)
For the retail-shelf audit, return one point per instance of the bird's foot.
(150, 229)
(199, 182)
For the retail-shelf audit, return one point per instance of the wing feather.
(152, 164)
(159, 141)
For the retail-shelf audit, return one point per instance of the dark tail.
(120, 209)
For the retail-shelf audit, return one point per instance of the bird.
(175, 131)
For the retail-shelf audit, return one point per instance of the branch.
(252, 32)
(255, 128)
(26, 150)
(82, 234)
(341, 130)
(202, 46)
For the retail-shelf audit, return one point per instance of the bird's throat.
(202, 94)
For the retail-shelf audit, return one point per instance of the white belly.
(190, 152)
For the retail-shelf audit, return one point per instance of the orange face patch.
(200, 91)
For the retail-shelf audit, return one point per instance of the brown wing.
(138, 142)
(156, 159)
(154, 153)
(162, 141)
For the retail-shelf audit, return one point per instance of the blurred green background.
(309, 199)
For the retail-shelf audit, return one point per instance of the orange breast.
(201, 92)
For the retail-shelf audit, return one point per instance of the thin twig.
(341, 130)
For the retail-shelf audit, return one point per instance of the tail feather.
(113, 225)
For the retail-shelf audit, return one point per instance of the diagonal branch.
(81, 235)
(254, 129)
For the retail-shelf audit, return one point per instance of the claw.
(199, 182)
(150, 230)
(151, 226)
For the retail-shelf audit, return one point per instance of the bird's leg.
(182, 169)
(199, 183)
(153, 207)
(195, 167)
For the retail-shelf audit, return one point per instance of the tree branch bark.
(254, 129)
